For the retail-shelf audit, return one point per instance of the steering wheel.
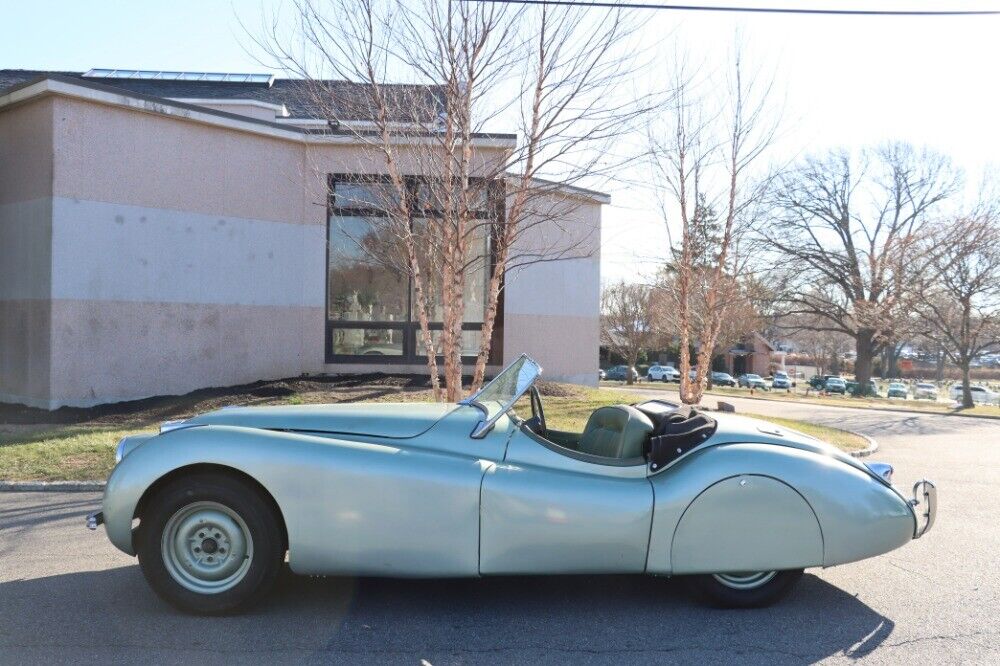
(537, 414)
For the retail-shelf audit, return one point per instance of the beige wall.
(179, 255)
(552, 308)
(26, 151)
(106, 351)
(25, 251)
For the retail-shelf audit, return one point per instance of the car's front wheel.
(209, 544)
(747, 589)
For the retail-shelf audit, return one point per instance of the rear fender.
(796, 509)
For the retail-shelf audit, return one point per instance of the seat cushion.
(617, 431)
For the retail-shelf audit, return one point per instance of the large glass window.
(370, 296)
(368, 342)
(367, 281)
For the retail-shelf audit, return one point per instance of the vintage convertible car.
(211, 505)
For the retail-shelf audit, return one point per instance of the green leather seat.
(618, 431)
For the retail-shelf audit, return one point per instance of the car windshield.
(925, 386)
(897, 386)
(753, 376)
(498, 396)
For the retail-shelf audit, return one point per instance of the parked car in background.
(835, 385)
(601, 374)
(980, 394)
(897, 390)
(750, 380)
(617, 373)
(663, 373)
(925, 391)
(723, 379)
(852, 388)
(781, 380)
(818, 382)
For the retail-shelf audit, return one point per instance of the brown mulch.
(557, 390)
(310, 389)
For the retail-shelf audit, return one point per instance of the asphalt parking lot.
(67, 596)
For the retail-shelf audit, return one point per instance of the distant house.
(162, 232)
(752, 355)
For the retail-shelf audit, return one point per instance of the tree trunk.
(633, 358)
(863, 363)
(939, 364)
(966, 386)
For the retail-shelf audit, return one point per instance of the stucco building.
(163, 233)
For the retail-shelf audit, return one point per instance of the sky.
(843, 81)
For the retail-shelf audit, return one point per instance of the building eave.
(54, 84)
(568, 190)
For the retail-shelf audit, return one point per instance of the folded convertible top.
(677, 431)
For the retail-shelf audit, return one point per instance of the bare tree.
(627, 326)
(848, 227)
(743, 315)
(823, 346)
(482, 201)
(705, 157)
(959, 305)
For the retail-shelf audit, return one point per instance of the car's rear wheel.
(747, 589)
(209, 544)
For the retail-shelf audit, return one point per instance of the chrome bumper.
(95, 519)
(924, 505)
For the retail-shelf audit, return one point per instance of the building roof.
(292, 94)
(298, 96)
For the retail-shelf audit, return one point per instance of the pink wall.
(116, 327)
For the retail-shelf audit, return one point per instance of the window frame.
(412, 344)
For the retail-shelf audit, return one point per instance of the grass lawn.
(85, 451)
(814, 398)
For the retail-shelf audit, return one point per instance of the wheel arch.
(210, 468)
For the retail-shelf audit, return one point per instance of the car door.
(543, 511)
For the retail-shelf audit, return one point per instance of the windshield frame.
(527, 375)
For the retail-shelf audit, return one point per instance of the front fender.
(825, 512)
(249, 451)
(349, 507)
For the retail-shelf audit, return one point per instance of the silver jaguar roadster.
(214, 504)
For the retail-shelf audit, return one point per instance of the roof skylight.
(144, 74)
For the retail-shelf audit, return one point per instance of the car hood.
(389, 420)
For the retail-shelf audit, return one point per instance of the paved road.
(66, 596)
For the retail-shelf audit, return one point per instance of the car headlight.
(121, 449)
(882, 470)
(129, 444)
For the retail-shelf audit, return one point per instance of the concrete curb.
(868, 450)
(51, 486)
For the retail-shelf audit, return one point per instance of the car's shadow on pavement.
(550, 619)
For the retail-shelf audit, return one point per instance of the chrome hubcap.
(206, 547)
(745, 580)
